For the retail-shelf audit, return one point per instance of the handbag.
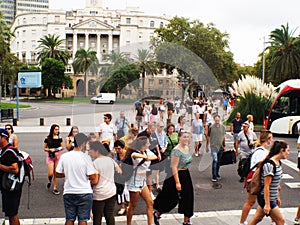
(227, 158)
(12, 182)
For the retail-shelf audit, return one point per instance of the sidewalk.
(199, 218)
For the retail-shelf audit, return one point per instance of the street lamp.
(263, 61)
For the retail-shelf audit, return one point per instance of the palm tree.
(284, 51)
(85, 60)
(52, 47)
(145, 61)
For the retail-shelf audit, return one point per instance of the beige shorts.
(197, 137)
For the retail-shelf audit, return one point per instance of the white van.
(104, 98)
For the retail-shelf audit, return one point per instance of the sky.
(248, 22)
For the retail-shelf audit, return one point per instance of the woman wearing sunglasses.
(12, 139)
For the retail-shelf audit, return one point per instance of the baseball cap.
(246, 123)
(3, 133)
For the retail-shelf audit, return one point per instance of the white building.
(102, 30)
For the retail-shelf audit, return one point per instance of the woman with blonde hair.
(130, 136)
(260, 153)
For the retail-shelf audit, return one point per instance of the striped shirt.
(267, 171)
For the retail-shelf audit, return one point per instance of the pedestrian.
(162, 145)
(108, 130)
(189, 107)
(245, 142)
(177, 105)
(236, 127)
(208, 120)
(216, 140)
(261, 152)
(181, 124)
(53, 145)
(197, 131)
(104, 192)
(13, 138)
(161, 109)
(297, 218)
(153, 114)
(172, 138)
(137, 184)
(79, 173)
(122, 125)
(147, 109)
(170, 107)
(178, 187)
(9, 164)
(269, 198)
(70, 138)
(139, 116)
(130, 136)
(250, 122)
(123, 198)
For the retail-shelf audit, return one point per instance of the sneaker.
(48, 185)
(214, 180)
(56, 192)
(245, 223)
(122, 211)
(156, 218)
(187, 223)
(196, 154)
(296, 221)
(242, 179)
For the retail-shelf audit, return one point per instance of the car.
(104, 98)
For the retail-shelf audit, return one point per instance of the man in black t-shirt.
(9, 164)
(236, 127)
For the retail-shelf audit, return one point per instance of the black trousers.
(169, 197)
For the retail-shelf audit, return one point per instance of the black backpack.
(245, 167)
(127, 169)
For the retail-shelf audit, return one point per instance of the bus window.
(295, 106)
(282, 105)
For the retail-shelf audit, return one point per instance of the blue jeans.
(215, 163)
(78, 205)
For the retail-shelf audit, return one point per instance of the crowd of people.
(155, 145)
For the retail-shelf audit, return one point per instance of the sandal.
(122, 211)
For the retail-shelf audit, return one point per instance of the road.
(231, 196)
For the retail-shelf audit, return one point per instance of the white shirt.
(259, 155)
(145, 166)
(76, 166)
(107, 132)
(106, 187)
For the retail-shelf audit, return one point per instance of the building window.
(69, 69)
(56, 30)
(151, 82)
(151, 24)
(33, 43)
(93, 24)
(81, 44)
(33, 20)
(161, 24)
(93, 44)
(44, 20)
(141, 23)
(128, 20)
(128, 33)
(23, 44)
(18, 34)
(140, 34)
(44, 32)
(24, 33)
(160, 82)
(127, 42)
(70, 44)
(33, 32)
(24, 20)
(18, 45)
(167, 83)
(167, 92)
(57, 19)
(116, 45)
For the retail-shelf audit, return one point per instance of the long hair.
(275, 149)
(71, 131)
(11, 127)
(263, 137)
(136, 145)
(50, 135)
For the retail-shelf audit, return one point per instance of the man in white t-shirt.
(108, 130)
(79, 173)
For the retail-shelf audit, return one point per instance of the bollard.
(15, 122)
(68, 122)
(41, 121)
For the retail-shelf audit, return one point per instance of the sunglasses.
(7, 128)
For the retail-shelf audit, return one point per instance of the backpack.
(245, 167)
(127, 169)
(254, 186)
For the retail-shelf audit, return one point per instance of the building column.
(74, 44)
(86, 46)
(99, 47)
(110, 43)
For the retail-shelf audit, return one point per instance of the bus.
(282, 114)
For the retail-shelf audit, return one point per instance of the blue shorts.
(78, 205)
(261, 202)
(136, 183)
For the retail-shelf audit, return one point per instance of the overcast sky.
(246, 21)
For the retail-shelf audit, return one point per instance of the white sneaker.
(245, 223)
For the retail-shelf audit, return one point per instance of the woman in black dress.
(53, 145)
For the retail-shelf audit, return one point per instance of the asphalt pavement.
(230, 217)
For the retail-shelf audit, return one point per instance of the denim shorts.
(136, 183)
(261, 202)
(78, 205)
